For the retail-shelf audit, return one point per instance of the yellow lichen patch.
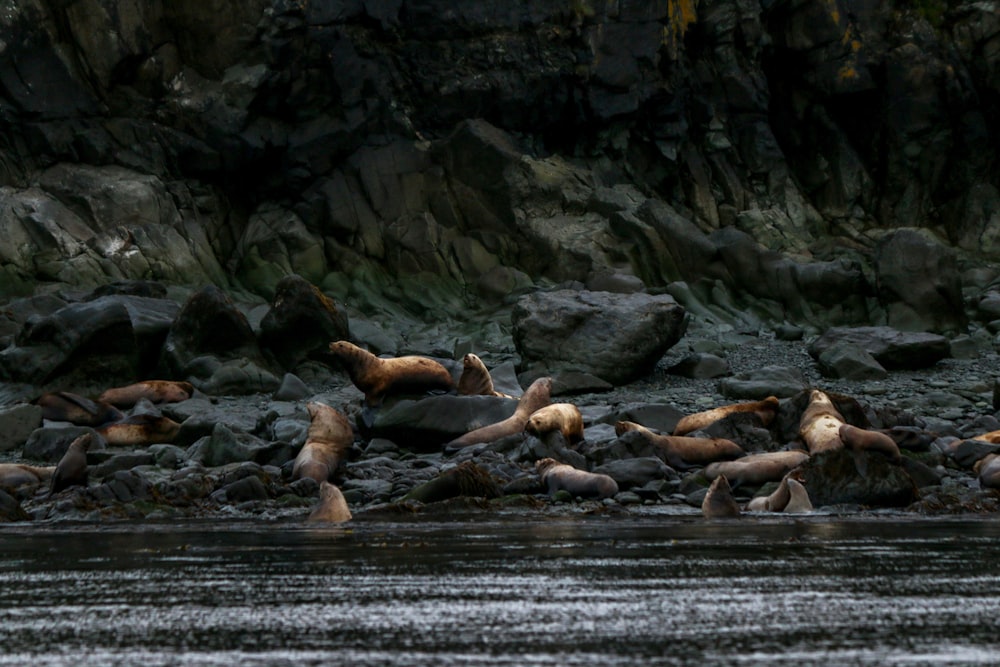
(680, 15)
(847, 73)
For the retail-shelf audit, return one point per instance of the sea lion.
(757, 469)
(141, 429)
(988, 471)
(558, 476)
(155, 391)
(790, 496)
(15, 475)
(859, 440)
(376, 377)
(65, 406)
(327, 441)
(562, 417)
(537, 396)
(719, 502)
(682, 451)
(476, 379)
(332, 507)
(72, 467)
(765, 410)
(992, 437)
(819, 426)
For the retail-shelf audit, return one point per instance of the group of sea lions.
(723, 462)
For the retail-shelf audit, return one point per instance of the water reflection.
(510, 591)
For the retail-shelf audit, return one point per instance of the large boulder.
(893, 349)
(302, 322)
(617, 337)
(837, 478)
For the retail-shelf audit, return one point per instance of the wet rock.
(301, 322)
(552, 445)
(426, 424)
(50, 444)
(833, 478)
(226, 446)
(616, 337)
(850, 362)
(248, 489)
(123, 486)
(292, 388)
(780, 381)
(10, 509)
(700, 365)
(17, 423)
(892, 348)
(635, 472)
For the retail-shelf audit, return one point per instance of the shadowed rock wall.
(736, 154)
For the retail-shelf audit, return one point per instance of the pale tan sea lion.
(684, 451)
(332, 507)
(819, 426)
(142, 429)
(327, 441)
(537, 396)
(790, 496)
(991, 437)
(757, 469)
(562, 417)
(376, 377)
(719, 502)
(72, 467)
(65, 406)
(988, 471)
(155, 391)
(476, 379)
(14, 475)
(558, 476)
(765, 410)
(798, 501)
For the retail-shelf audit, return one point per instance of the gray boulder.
(833, 478)
(427, 423)
(893, 349)
(780, 381)
(849, 361)
(629, 473)
(617, 337)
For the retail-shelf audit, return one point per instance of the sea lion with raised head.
(756, 469)
(682, 451)
(537, 396)
(476, 379)
(327, 441)
(65, 406)
(16, 475)
(719, 502)
(562, 417)
(790, 496)
(765, 410)
(558, 476)
(72, 467)
(376, 377)
(154, 391)
(332, 506)
(819, 426)
(141, 429)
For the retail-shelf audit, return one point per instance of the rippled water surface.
(504, 591)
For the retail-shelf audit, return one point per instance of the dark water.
(505, 591)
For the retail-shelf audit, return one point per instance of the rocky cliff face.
(747, 157)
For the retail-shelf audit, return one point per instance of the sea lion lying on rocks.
(558, 476)
(537, 396)
(65, 406)
(376, 376)
(154, 391)
(819, 426)
(562, 417)
(140, 429)
(16, 475)
(757, 469)
(683, 451)
(327, 441)
(765, 410)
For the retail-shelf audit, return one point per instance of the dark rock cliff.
(744, 156)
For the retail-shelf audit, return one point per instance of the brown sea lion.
(790, 496)
(558, 476)
(65, 406)
(15, 475)
(991, 437)
(719, 502)
(988, 471)
(765, 411)
(756, 469)
(536, 397)
(682, 451)
(141, 429)
(819, 426)
(332, 507)
(72, 467)
(859, 439)
(155, 391)
(327, 441)
(476, 379)
(376, 377)
(562, 417)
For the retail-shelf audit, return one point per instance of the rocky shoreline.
(231, 453)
